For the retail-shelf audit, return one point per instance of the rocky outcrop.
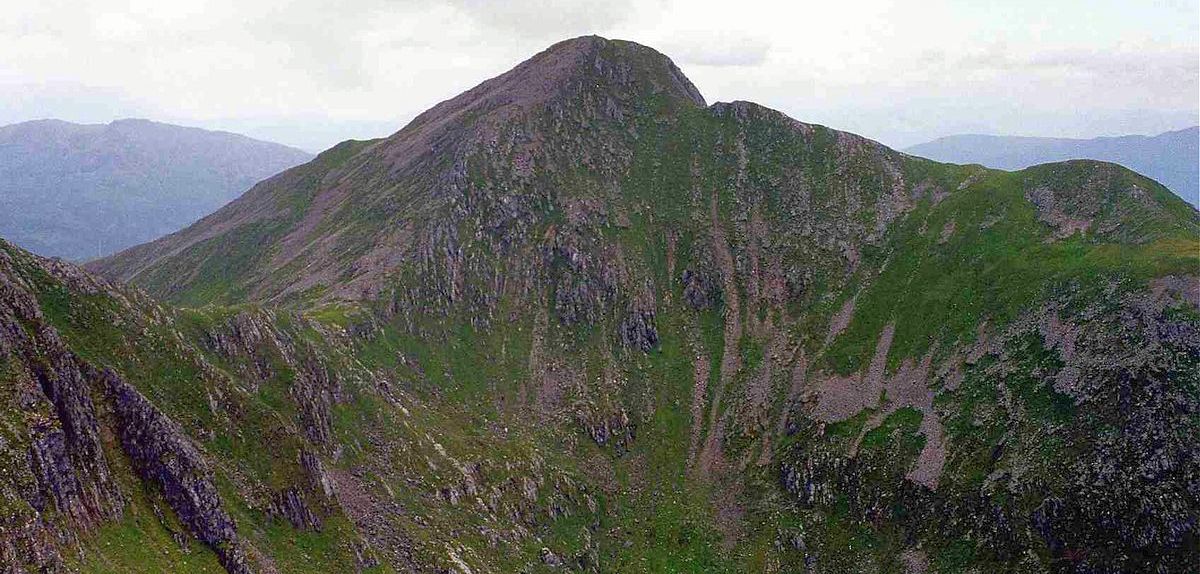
(253, 344)
(163, 456)
(305, 504)
(1125, 502)
(314, 390)
(585, 283)
(56, 480)
(1051, 213)
(1101, 199)
(250, 338)
(289, 503)
(67, 455)
(700, 290)
(613, 429)
(638, 332)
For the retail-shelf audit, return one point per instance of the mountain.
(1171, 158)
(577, 319)
(84, 191)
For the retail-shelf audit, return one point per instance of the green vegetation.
(997, 264)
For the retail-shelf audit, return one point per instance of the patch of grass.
(139, 543)
(898, 431)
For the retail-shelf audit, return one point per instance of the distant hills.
(1170, 158)
(82, 191)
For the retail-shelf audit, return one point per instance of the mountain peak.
(621, 61)
(587, 64)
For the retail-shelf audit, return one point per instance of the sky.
(310, 73)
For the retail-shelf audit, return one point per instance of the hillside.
(84, 191)
(1171, 158)
(577, 319)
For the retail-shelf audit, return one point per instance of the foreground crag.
(576, 319)
(144, 439)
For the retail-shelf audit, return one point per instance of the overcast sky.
(305, 73)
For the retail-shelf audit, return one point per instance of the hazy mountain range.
(1171, 158)
(83, 191)
(578, 319)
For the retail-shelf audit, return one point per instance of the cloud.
(67, 101)
(324, 40)
(718, 50)
(1167, 78)
(356, 62)
(1001, 56)
(547, 18)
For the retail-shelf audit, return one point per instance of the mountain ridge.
(1169, 157)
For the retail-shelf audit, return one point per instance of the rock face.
(1094, 359)
(67, 457)
(268, 353)
(65, 453)
(67, 420)
(163, 456)
(700, 290)
(63, 470)
(576, 319)
(637, 331)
